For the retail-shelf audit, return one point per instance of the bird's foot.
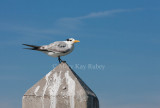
(63, 61)
(60, 60)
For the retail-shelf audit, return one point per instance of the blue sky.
(122, 35)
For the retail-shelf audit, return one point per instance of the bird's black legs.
(59, 59)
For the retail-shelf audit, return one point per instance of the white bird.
(56, 49)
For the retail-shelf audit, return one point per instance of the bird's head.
(71, 41)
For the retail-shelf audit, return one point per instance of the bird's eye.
(70, 40)
(67, 40)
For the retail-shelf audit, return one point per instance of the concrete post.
(60, 88)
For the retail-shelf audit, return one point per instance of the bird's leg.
(59, 59)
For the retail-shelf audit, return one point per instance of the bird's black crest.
(67, 39)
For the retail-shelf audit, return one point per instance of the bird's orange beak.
(76, 41)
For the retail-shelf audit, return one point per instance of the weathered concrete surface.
(60, 88)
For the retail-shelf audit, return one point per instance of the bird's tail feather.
(33, 47)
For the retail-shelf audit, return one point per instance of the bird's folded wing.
(59, 47)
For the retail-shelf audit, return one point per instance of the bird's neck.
(70, 45)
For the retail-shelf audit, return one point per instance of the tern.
(56, 49)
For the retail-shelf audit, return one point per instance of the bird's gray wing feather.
(59, 47)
